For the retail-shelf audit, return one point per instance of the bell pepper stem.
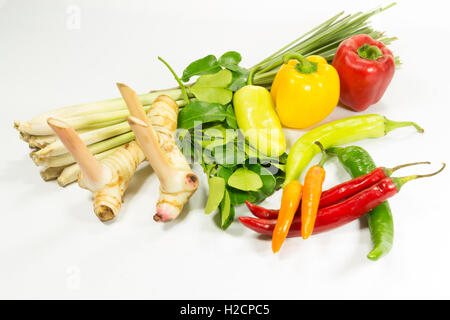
(399, 182)
(392, 125)
(369, 52)
(304, 65)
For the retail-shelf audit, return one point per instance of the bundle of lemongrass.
(103, 127)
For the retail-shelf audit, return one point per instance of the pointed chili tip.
(373, 256)
(243, 220)
(276, 245)
(305, 235)
(251, 207)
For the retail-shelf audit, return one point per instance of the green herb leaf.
(206, 65)
(239, 79)
(212, 145)
(282, 167)
(212, 87)
(215, 131)
(226, 212)
(230, 60)
(238, 197)
(200, 111)
(216, 193)
(228, 155)
(231, 117)
(225, 173)
(246, 180)
(269, 181)
(253, 153)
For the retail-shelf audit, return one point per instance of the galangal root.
(108, 178)
(155, 133)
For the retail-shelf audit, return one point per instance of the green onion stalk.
(102, 125)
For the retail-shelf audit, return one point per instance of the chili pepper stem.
(324, 155)
(390, 171)
(334, 151)
(400, 181)
(392, 125)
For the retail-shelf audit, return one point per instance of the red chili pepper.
(337, 193)
(341, 213)
(365, 67)
(330, 196)
(262, 212)
(351, 187)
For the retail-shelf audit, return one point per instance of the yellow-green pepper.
(256, 117)
(305, 90)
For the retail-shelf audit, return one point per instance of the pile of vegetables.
(306, 209)
(230, 121)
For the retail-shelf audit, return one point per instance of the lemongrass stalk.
(99, 125)
(66, 159)
(41, 141)
(70, 173)
(51, 173)
(91, 120)
(88, 138)
(25, 136)
(105, 105)
(42, 128)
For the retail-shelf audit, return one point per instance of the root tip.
(105, 213)
(192, 180)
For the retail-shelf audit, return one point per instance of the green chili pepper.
(358, 162)
(337, 133)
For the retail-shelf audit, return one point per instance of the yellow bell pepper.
(305, 90)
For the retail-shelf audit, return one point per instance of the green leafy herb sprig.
(209, 135)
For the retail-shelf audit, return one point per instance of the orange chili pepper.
(311, 195)
(290, 201)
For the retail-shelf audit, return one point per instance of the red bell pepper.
(365, 67)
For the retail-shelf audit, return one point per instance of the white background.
(53, 246)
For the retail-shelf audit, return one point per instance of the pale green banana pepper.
(338, 133)
(258, 121)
